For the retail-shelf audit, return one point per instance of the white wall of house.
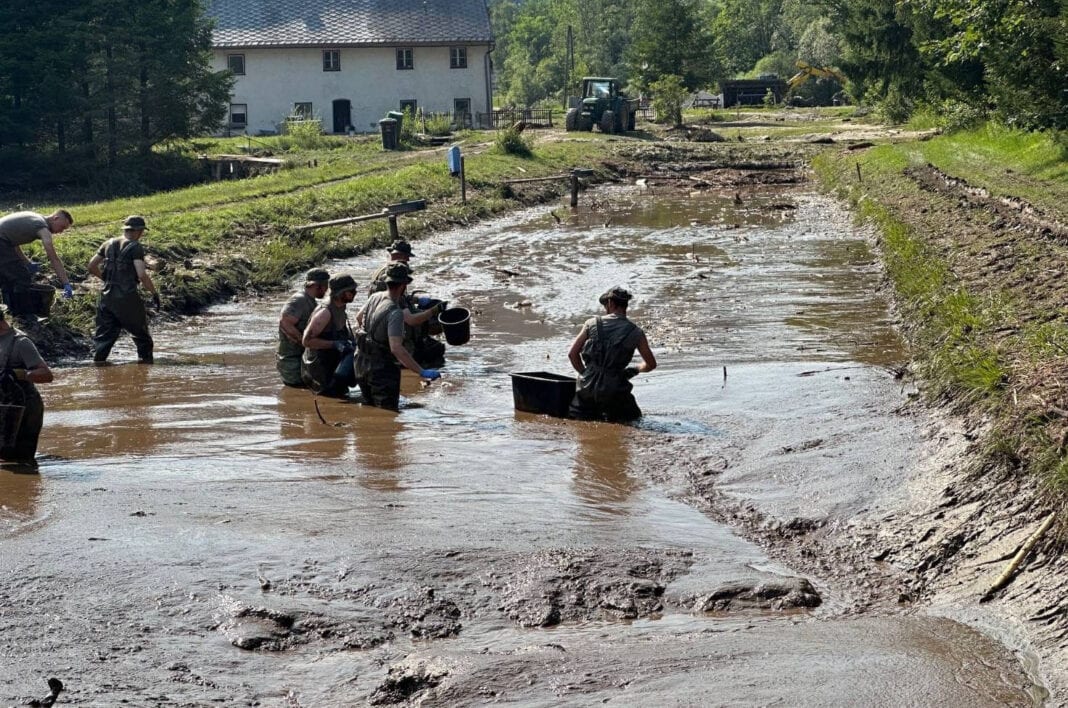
(277, 78)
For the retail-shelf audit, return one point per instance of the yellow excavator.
(807, 71)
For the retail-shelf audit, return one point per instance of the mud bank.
(992, 480)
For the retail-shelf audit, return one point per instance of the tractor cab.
(604, 105)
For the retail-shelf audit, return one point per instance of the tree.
(669, 38)
(1020, 47)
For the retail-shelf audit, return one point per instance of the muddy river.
(198, 535)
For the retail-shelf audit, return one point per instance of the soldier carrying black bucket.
(120, 263)
(16, 269)
(601, 353)
(21, 408)
(427, 351)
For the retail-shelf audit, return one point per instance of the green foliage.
(669, 38)
(106, 80)
(511, 142)
(769, 99)
(407, 126)
(306, 134)
(438, 124)
(669, 94)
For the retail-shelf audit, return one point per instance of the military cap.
(615, 293)
(398, 273)
(134, 223)
(401, 247)
(316, 276)
(340, 284)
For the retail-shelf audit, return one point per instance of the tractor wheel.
(608, 122)
(571, 120)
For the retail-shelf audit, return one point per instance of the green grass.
(212, 240)
(1032, 166)
(964, 351)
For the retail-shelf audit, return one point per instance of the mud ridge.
(1020, 213)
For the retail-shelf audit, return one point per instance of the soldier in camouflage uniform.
(381, 341)
(601, 354)
(294, 318)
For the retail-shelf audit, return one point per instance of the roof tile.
(338, 23)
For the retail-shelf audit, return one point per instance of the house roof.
(347, 23)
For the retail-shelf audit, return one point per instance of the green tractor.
(603, 105)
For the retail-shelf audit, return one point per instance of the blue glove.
(343, 346)
(34, 268)
(423, 302)
(430, 374)
(68, 291)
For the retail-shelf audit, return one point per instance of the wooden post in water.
(574, 189)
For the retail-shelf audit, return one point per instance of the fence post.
(574, 189)
(394, 233)
(463, 182)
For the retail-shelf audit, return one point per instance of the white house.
(349, 62)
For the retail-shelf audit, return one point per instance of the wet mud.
(200, 535)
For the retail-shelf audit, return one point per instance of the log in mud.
(199, 535)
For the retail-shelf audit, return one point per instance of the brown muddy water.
(197, 535)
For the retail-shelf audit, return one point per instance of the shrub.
(438, 124)
(304, 133)
(511, 142)
(668, 96)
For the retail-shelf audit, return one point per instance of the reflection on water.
(20, 491)
(602, 455)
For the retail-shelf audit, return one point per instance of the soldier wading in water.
(21, 366)
(381, 341)
(601, 353)
(294, 318)
(120, 263)
(326, 366)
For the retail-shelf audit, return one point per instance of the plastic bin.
(390, 130)
(543, 392)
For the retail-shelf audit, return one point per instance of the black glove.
(630, 372)
(155, 302)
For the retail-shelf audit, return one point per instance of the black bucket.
(543, 392)
(456, 322)
(39, 299)
(10, 422)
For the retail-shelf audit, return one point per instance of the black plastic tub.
(543, 392)
(456, 322)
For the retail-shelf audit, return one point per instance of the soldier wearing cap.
(381, 341)
(601, 354)
(399, 252)
(21, 366)
(294, 318)
(16, 269)
(429, 352)
(120, 263)
(326, 366)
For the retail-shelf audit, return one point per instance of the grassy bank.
(979, 292)
(209, 241)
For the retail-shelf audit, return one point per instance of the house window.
(457, 57)
(238, 115)
(331, 60)
(461, 107)
(236, 64)
(405, 59)
(409, 105)
(302, 111)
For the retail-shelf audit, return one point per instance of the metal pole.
(463, 182)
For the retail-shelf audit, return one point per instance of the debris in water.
(55, 687)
